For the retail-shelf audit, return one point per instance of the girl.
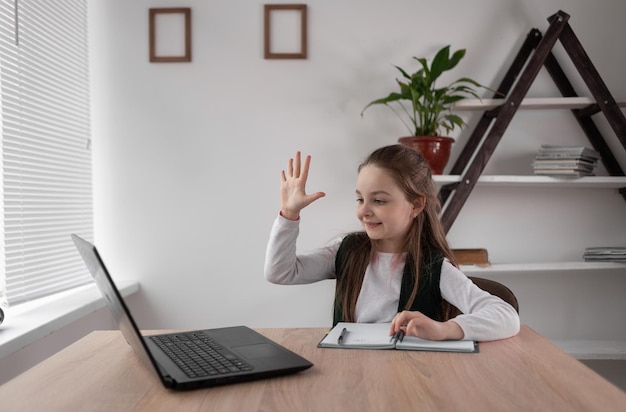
(399, 269)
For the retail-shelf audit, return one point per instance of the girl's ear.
(418, 206)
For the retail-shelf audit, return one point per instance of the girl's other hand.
(293, 197)
(420, 325)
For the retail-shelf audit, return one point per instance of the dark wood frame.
(269, 8)
(186, 11)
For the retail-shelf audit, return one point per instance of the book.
(606, 250)
(566, 150)
(563, 172)
(347, 335)
(558, 164)
(566, 158)
(478, 257)
(605, 254)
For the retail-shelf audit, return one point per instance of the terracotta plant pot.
(435, 149)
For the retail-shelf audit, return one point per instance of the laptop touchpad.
(260, 350)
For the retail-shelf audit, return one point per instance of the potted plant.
(425, 108)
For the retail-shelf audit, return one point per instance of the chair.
(497, 289)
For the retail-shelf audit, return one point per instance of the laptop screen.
(114, 300)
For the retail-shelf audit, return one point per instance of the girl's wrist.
(454, 330)
(289, 215)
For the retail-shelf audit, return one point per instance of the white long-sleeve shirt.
(485, 317)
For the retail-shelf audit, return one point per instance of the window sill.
(31, 321)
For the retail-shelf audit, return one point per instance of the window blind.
(46, 158)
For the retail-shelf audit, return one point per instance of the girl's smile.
(370, 224)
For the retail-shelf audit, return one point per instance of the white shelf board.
(530, 103)
(597, 182)
(542, 267)
(593, 349)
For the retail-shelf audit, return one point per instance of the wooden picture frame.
(268, 51)
(182, 55)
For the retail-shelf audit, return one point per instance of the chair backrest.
(497, 289)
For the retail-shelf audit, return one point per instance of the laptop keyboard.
(198, 355)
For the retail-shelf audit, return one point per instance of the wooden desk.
(524, 373)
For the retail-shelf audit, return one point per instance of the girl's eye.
(359, 200)
(380, 201)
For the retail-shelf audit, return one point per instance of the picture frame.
(171, 43)
(269, 31)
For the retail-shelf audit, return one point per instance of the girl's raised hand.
(293, 197)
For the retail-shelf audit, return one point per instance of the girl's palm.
(293, 197)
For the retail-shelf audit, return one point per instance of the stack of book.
(605, 254)
(557, 160)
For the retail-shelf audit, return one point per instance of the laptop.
(222, 355)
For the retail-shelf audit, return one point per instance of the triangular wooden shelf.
(535, 53)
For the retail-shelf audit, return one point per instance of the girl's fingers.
(290, 168)
(296, 166)
(296, 169)
(305, 169)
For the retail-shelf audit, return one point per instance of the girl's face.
(382, 208)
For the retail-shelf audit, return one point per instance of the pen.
(341, 336)
(398, 336)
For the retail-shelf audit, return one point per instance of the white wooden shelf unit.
(466, 173)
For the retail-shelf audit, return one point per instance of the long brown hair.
(412, 174)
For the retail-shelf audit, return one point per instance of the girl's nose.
(363, 210)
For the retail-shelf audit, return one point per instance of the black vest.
(428, 299)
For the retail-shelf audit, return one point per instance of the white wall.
(187, 155)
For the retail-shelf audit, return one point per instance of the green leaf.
(456, 58)
(406, 76)
(440, 62)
